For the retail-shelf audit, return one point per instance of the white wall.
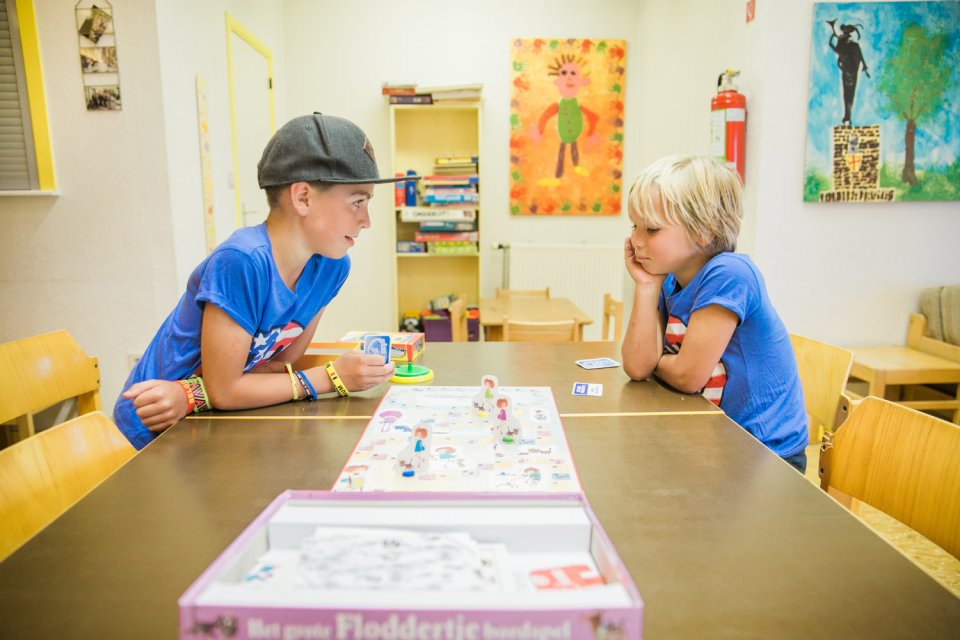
(345, 50)
(95, 260)
(847, 273)
(109, 256)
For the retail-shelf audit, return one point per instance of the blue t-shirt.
(756, 383)
(241, 278)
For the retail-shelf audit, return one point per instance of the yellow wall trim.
(36, 95)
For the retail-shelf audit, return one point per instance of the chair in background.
(612, 311)
(906, 374)
(522, 331)
(458, 319)
(901, 462)
(43, 476)
(824, 369)
(41, 371)
(523, 293)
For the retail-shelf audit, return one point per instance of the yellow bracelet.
(335, 379)
(293, 380)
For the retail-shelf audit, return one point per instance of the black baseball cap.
(320, 148)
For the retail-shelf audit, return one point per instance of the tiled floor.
(942, 566)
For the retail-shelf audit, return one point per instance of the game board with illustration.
(425, 438)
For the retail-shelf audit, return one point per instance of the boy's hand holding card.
(378, 345)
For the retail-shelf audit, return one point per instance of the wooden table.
(722, 538)
(889, 370)
(515, 364)
(492, 311)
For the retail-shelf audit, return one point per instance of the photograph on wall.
(566, 126)
(94, 22)
(98, 59)
(883, 120)
(105, 98)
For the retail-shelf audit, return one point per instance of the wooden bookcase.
(419, 134)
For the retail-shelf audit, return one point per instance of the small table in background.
(492, 311)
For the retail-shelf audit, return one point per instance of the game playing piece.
(483, 401)
(416, 455)
(507, 426)
(410, 373)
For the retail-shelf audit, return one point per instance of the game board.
(465, 454)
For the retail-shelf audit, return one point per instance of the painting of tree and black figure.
(883, 119)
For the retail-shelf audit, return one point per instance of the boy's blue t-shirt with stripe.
(240, 277)
(756, 383)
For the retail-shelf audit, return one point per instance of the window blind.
(17, 160)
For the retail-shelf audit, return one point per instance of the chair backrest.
(612, 311)
(522, 331)
(40, 371)
(523, 293)
(824, 369)
(902, 462)
(43, 476)
(458, 319)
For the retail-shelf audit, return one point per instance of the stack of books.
(410, 93)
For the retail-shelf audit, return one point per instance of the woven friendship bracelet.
(293, 380)
(337, 382)
(199, 393)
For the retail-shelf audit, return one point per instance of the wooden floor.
(942, 566)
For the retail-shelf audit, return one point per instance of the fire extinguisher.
(728, 130)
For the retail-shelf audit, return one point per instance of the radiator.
(582, 273)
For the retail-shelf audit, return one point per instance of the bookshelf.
(450, 260)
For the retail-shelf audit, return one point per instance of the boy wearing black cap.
(251, 307)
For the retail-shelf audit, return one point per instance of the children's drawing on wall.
(566, 126)
(883, 121)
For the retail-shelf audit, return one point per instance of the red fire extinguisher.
(728, 130)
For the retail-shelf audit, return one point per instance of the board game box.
(428, 566)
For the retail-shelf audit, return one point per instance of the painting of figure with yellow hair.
(566, 139)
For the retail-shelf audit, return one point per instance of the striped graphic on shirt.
(673, 338)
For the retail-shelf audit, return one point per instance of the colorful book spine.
(441, 236)
(417, 98)
(419, 214)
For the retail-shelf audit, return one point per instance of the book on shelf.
(419, 214)
(455, 159)
(465, 92)
(446, 236)
(416, 98)
(432, 198)
(453, 248)
(453, 180)
(448, 225)
(398, 89)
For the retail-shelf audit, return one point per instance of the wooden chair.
(824, 369)
(41, 371)
(458, 319)
(904, 374)
(522, 331)
(612, 311)
(523, 293)
(900, 461)
(43, 476)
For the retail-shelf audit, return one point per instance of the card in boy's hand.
(598, 363)
(378, 345)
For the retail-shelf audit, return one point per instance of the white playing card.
(598, 363)
(378, 345)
